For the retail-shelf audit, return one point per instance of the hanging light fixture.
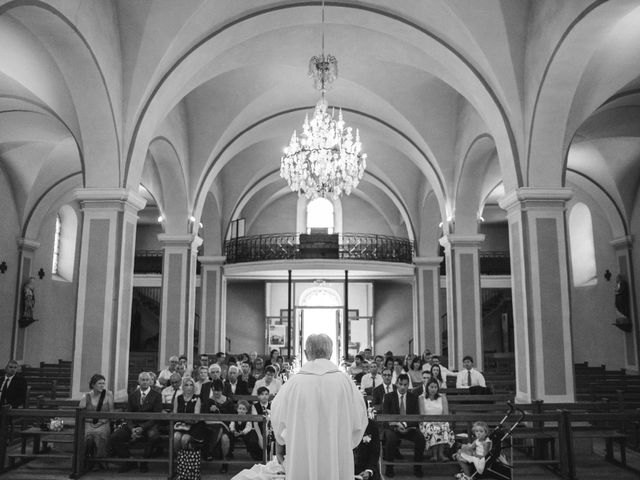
(325, 159)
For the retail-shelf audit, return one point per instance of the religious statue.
(623, 321)
(28, 303)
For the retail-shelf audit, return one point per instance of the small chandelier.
(325, 159)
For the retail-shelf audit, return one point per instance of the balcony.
(343, 246)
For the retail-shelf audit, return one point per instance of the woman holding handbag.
(97, 430)
(188, 436)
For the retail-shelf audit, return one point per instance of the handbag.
(188, 467)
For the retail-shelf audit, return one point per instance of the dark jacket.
(152, 403)
(367, 455)
(16, 395)
(378, 394)
(391, 405)
(241, 388)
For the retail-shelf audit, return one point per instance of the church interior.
(146, 210)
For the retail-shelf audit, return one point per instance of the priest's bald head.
(318, 345)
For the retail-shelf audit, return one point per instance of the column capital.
(527, 198)
(426, 262)
(215, 261)
(458, 240)
(179, 241)
(622, 243)
(109, 199)
(27, 245)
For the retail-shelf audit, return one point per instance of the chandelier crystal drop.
(325, 159)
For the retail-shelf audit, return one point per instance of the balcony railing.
(345, 246)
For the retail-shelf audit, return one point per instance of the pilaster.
(540, 285)
(464, 306)
(213, 295)
(105, 284)
(427, 331)
(177, 310)
(624, 262)
(26, 253)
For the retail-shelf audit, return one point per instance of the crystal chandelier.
(325, 159)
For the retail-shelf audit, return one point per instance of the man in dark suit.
(402, 402)
(380, 391)
(143, 399)
(366, 456)
(13, 391)
(234, 385)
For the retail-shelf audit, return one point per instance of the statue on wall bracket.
(28, 304)
(623, 310)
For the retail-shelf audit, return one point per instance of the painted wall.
(595, 339)
(280, 217)
(393, 316)
(357, 215)
(496, 237)
(51, 338)
(245, 316)
(9, 249)
(147, 237)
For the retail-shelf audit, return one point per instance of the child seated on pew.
(245, 431)
(472, 455)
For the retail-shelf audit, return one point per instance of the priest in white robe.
(320, 416)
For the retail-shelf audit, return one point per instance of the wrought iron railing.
(491, 263)
(350, 246)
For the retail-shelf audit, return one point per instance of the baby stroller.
(496, 465)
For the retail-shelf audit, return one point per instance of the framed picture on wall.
(277, 336)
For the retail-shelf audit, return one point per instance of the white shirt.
(463, 378)
(368, 382)
(274, 386)
(167, 394)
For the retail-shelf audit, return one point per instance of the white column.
(213, 295)
(464, 306)
(622, 247)
(105, 285)
(26, 253)
(177, 312)
(540, 286)
(427, 332)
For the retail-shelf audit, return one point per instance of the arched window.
(583, 254)
(320, 216)
(64, 244)
(56, 245)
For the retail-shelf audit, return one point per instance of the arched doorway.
(319, 311)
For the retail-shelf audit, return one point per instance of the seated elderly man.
(270, 381)
(165, 374)
(143, 399)
(170, 393)
(234, 385)
(215, 372)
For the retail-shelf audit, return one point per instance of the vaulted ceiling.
(456, 102)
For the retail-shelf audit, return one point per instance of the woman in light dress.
(437, 434)
(97, 430)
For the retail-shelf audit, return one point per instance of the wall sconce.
(607, 275)
(41, 273)
(3, 267)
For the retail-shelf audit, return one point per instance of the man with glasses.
(381, 390)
